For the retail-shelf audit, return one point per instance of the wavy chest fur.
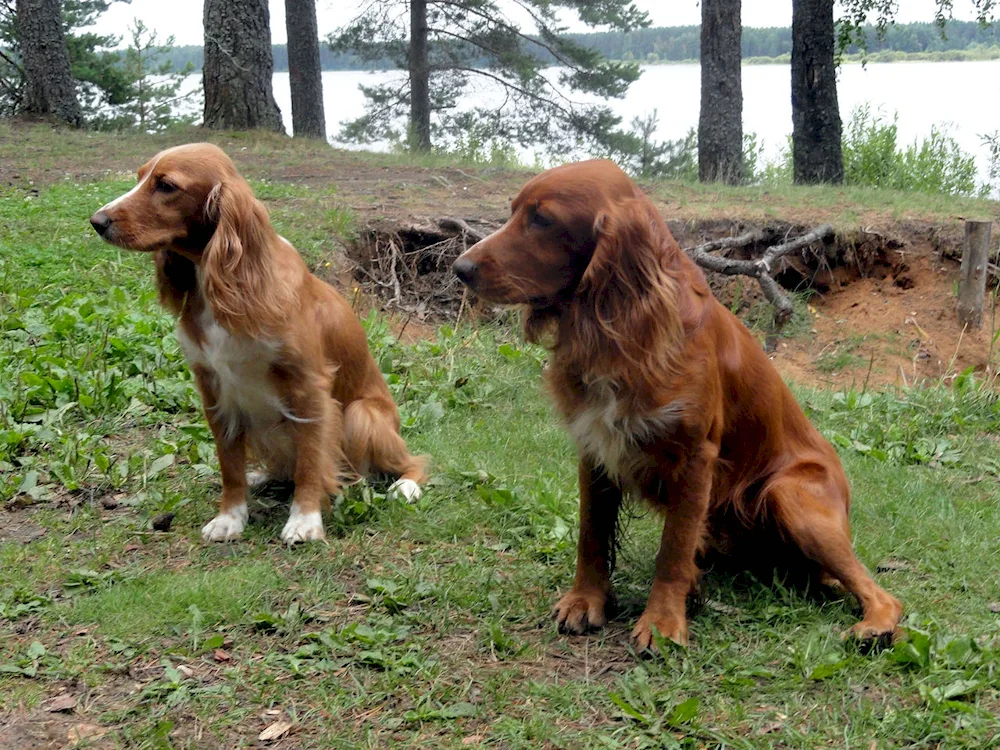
(609, 431)
(241, 370)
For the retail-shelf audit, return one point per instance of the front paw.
(581, 610)
(226, 526)
(669, 626)
(407, 489)
(302, 527)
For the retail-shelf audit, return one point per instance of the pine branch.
(507, 84)
(509, 26)
(12, 63)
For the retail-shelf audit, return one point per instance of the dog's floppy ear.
(627, 251)
(241, 282)
(626, 303)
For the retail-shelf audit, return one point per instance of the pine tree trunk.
(49, 86)
(305, 73)
(239, 66)
(420, 89)
(816, 126)
(720, 125)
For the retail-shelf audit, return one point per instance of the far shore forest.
(961, 40)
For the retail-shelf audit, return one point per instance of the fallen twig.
(761, 268)
(459, 225)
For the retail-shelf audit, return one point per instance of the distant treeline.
(680, 43)
(182, 55)
(677, 43)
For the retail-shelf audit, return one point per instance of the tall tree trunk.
(720, 125)
(305, 74)
(420, 73)
(816, 126)
(239, 66)
(49, 86)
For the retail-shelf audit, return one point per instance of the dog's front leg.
(583, 608)
(231, 450)
(317, 460)
(684, 498)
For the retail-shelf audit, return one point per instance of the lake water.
(963, 97)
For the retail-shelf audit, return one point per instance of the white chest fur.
(610, 434)
(241, 372)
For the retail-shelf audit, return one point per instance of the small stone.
(62, 702)
(275, 731)
(163, 521)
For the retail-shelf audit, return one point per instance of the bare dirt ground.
(892, 323)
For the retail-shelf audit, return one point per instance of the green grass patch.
(427, 625)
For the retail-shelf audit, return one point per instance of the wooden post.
(972, 276)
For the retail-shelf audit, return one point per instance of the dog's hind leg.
(811, 512)
(373, 445)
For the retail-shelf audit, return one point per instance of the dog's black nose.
(465, 270)
(100, 222)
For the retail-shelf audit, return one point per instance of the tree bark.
(972, 276)
(720, 125)
(420, 89)
(49, 86)
(816, 126)
(239, 66)
(305, 74)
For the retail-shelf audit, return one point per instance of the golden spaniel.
(279, 357)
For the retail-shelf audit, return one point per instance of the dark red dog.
(668, 397)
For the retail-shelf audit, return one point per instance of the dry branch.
(761, 268)
(410, 264)
(459, 225)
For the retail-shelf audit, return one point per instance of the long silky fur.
(240, 280)
(176, 279)
(622, 321)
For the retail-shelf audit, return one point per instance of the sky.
(182, 18)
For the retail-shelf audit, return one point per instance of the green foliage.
(479, 41)
(671, 44)
(100, 78)
(852, 31)
(992, 143)
(639, 153)
(135, 87)
(101, 81)
(152, 86)
(873, 157)
(916, 426)
(469, 149)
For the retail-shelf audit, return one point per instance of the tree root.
(393, 263)
(761, 268)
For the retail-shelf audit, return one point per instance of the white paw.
(301, 527)
(226, 526)
(409, 489)
(256, 478)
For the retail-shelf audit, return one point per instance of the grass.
(427, 625)
(840, 355)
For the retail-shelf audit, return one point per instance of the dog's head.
(557, 223)
(183, 195)
(190, 201)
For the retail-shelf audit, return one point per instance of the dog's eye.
(540, 220)
(162, 186)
